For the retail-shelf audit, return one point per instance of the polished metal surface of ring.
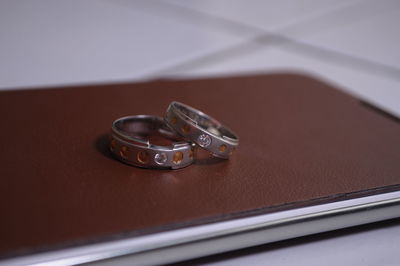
(146, 141)
(195, 126)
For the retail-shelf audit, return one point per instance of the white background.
(353, 44)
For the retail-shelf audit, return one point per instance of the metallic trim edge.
(197, 241)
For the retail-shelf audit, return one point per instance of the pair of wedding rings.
(170, 142)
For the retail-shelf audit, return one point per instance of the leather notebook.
(302, 143)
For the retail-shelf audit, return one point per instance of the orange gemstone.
(124, 152)
(173, 120)
(178, 157)
(185, 129)
(222, 148)
(142, 157)
(113, 144)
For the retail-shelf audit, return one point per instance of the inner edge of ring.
(142, 143)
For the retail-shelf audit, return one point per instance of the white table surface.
(351, 44)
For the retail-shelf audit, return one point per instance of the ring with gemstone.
(146, 141)
(195, 126)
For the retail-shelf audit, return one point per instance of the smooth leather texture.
(302, 142)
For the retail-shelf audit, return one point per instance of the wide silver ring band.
(195, 126)
(130, 143)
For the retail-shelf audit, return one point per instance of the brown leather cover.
(302, 142)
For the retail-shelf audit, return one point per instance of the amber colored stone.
(113, 144)
(178, 157)
(173, 120)
(142, 157)
(124, 152)
(222, 148)
(191, 154)
(185, 129)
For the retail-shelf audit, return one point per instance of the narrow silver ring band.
(130, 143)
(195, 126)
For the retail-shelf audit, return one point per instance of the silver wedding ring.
(133, 142)
(170, 143)
(197, 127)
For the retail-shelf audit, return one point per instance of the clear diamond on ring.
(160, 158)
(204, 140)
